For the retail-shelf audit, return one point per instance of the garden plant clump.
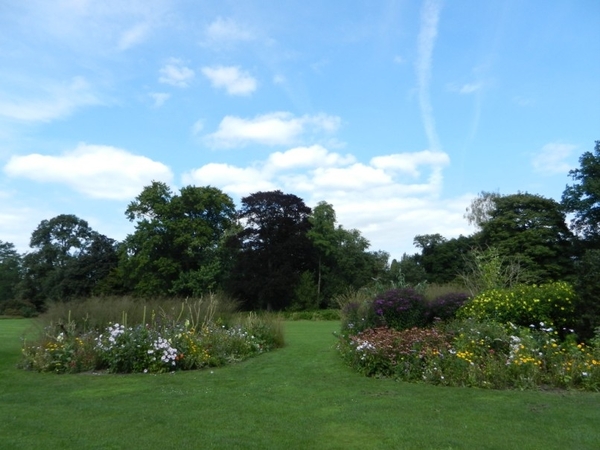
(480, 348)
(162, 344)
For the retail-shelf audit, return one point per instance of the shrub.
(587, 287)
(524, 305)
(358, 316)
(445, 306)
(400, 308)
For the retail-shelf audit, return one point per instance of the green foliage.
(583, 197)
(587, 287)
(552, 304)
(305, 295)
(474, 353)
(304, 386)
(96, 313)
(342, 257)
(158, 346)
(532, 228)
(176, 248)
(10, 273)
(445, 307)
(489, 269)
(68, 261)
(271, 251)
(315, 315)
(442, 259)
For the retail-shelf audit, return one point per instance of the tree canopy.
(273, 249)
(175, 247)
(582, 198)
(531, 227)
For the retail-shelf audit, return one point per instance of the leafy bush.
(524, 305)
(445, 306)
(358, 316)
(400, 308)
(320, 314)
(587, 287)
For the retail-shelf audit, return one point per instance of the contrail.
(429, 21)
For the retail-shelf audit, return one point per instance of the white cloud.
(236, 180)
(47, 101)
(279, 128)
(375, 197)
(197, 127)
(551, 158)
(94, 170)
(427, 34)
(303, 157)
(227, 31)
(409, 162)
(133, 36)
(159, 98)
(176, 73)
(232, 79)
(467, 88)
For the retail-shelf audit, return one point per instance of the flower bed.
(476, 353)
(150, 348)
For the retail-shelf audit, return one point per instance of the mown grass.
(301, 396)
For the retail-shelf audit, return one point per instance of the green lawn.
(301, 396)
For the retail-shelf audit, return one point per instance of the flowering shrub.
(445, 306)
(523, 305)
(146, 348)
(400, 308)
(389, 352)
(472, 353)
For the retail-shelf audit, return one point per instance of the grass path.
(301, 397)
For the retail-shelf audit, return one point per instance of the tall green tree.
(443, 259)
(532, 228)
(68, 260)
(323, 235)
(175, 249)
(273, 250)
(343, 259)
(10, 271)
(582, 198)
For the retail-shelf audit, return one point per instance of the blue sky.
(396, 112)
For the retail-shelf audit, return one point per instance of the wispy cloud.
(278, 128)
(232, 79)
(467, 88)
(46, 101)
(551, 159)
(133, 36)
(176, 73)
(159, 98)
(96, 171)
(427, 34)
(226, 32)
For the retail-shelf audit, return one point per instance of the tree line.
(275, 252)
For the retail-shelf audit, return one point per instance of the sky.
(398, 113)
